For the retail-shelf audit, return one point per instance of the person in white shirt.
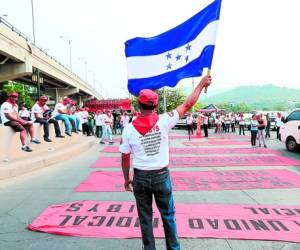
(83, 117)
(107, 128)
(11, 118)
(189, 124)
(24, 113)
(241, 124)
(60, 113)
(124, 121)
(99, 123)
(41, 113)
(205, 125)
(147, 138)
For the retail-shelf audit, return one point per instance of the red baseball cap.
(13, 94)
(148, 97)
(44, 98)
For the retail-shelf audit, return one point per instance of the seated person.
(11, 118)
(24, 113)
(41, 113)
(61, 113)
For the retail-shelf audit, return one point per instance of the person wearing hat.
(11, 118)
(40, 113)
(147, 139)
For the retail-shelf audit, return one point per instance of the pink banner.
(116, 219)
(208, 161)
(215, 136)
(202, 180)
(215, 143)
(207, 151)
(194, 137)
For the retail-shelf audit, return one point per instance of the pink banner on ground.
(117, 219)
(211, 161)
(208, 151)
(194, 137)
(215, 143)
(197, 181)
(215, 136)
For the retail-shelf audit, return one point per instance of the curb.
(13, 169)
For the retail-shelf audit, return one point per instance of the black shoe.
(68, 133)
(60, 136)
(102, 142)
(26, 149)
(76, 132)
(79, 130)
(47, 140)
(111, 142)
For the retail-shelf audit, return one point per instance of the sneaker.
(102, 142)
(26, 149)
(60, 136)
(47, 140)
(68, 133)
(265, 146)
(111, 142)
(76, 132)
(36, 141)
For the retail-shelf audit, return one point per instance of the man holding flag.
(154, 63)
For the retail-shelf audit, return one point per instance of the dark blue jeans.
(157, 183)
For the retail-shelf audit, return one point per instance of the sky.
(258, 41)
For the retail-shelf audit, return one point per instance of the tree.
(174, 97)
(11, 86)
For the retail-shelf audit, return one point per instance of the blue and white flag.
(181, 52)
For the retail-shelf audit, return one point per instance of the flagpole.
(165, 101)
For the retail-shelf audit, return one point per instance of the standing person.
(99, 123)
(124, 121)
(147, 139)
(107, 128)
(278, 123)
(41, 113)
(190, 124)
(83, 120)
(205, 125)
(11, 118)
(241, 124)
(253, 129)
(261, 130)
(268, 127)
(232, 121)
(227, 124)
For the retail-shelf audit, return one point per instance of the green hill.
(263, 97)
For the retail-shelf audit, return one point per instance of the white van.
(290, 131)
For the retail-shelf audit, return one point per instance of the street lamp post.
(33, 26)
(85, 68)
(70, 50)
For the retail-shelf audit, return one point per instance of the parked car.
(182, 122)
(290, 131)
(273, 123)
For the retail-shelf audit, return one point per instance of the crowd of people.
(102, 124)
(259, 125)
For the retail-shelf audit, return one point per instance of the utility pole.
(33, 27)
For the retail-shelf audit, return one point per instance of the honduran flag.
(179, 53)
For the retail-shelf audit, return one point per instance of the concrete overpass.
(23, 61)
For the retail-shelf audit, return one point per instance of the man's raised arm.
(193, 98)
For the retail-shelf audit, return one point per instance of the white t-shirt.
(82, 117)
(6, 107)
(100, 120)
(124, 120)
(37, 109)
(205, 120)
(150, 151)
(278, 121)
(58, 106)
(24, 113)
(189, 120)
(108, 120)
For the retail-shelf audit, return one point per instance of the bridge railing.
(28, 40)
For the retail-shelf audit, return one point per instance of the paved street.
(23, 198)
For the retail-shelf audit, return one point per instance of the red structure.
(110, 104)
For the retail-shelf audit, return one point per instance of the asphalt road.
(23, 198)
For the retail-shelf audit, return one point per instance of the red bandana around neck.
(12, 103)
(145, 122)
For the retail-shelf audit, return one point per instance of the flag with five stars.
(182, 52)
